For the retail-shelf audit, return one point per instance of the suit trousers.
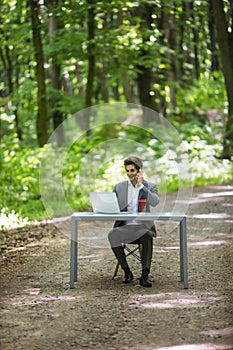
(138, 234)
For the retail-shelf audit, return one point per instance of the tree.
(225, 42)
(11, 55)
(42, 120)
(54, 24)
(123, 66)
(94, 52)
(91, 52)
(213, 44)
(84, 121)
(144, 67)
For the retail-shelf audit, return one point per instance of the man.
(142, 232)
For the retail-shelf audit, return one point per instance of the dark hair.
(133, 160)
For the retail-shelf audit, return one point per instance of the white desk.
(90, 216)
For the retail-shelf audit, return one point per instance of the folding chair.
(132, 252)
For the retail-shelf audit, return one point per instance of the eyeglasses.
(131, 170)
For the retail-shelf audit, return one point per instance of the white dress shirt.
(132, 205)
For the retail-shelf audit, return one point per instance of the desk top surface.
(127, 216)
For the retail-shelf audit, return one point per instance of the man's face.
(131, 171)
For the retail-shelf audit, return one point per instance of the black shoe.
(145, 282)
(128, 277)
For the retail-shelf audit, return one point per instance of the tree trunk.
(225, 41)
(18, 128)
(91, 53)
(212, 46)
(91, 62)
(56, 79)
(195, 42)
(187, 58)
(41, 123)
(9, 70)
(180, 54)
(79, 77)
(103, 83)
(144, 77)
(127, 88)
(169, 29)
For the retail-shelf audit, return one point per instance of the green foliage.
(96, 163)
(123, 43)
(199, 99)
(85, 167)
(19, 180)
(19, 171)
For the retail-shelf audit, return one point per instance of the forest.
(83, 83)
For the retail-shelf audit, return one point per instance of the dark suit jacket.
(148, 192)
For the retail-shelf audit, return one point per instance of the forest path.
(39, 311)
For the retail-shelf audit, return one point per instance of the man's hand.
(139, 178)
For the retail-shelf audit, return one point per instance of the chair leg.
(132, 252)
(140, 251)
(116, 270)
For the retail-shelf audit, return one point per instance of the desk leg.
(73, 253)
(183, 253)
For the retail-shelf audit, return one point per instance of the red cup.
(142, 205)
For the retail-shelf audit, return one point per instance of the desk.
(90, 216)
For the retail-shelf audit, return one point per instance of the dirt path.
(39, 311)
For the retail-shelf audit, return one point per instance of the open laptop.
(104, 202)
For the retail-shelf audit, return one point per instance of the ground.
(39, 311)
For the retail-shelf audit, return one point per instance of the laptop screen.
(104, 202)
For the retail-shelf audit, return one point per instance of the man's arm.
(150, 191)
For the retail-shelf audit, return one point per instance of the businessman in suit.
(128, 193)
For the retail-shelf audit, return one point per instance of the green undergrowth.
(196, 162)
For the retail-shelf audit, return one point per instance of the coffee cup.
(142, 205)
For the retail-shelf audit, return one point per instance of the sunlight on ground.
(211, 216)
(221, 187)
(32, 291)
(219, 332)
(216, 194)
(29, 300)
(203, 346)
(207, 346)
(227, 204)
(158, 249)
(174, 300)
(205, 197)
(92, 256)
(206, 243)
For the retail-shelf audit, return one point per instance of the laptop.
(104, 202)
